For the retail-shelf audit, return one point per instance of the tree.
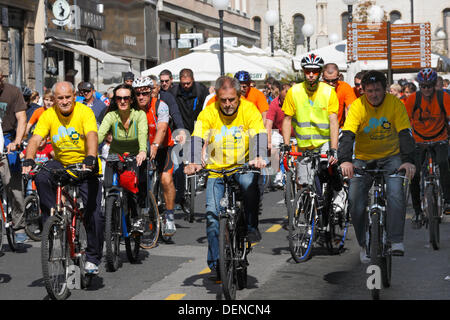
(286, 42)
(362, 11)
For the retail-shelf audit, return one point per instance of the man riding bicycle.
(235, 133)
(429, 112)
(312, 107)
(73, 131)
(161, 143)
(379, 126)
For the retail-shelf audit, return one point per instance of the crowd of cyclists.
(223, 127)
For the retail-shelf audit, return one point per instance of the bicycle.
(33, 218)
(377, 245)
(432, 200)
(64, 238)
(151, 215)
(118, 215)
(234, 245)
(313, 217)
(7, 224)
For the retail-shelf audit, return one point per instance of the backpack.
(440, 99)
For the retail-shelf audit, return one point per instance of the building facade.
(331, 16)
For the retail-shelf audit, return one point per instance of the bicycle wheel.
(133, 240)
(338, 225)
(159, 196)
(289, 192)
(55, 258)
(112, 232)
(227, 255)
(302, 226)
(376, 245)
(192, 199)
(80, 249)
(9, 228)
(33, 219)
(432, 215)
(151, 224)
(241, 270)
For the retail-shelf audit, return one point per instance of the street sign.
(411, 45)
(229, 41)
(191, 36)
(366, 41)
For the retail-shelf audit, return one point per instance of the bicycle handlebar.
(302, 154)
(242, 169)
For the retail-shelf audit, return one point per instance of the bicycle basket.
(128, 180)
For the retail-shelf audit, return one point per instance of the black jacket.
(190, 104)
(174, 111)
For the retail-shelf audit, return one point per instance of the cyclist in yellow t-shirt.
(235, 133)
(378, 124)
(72, 129)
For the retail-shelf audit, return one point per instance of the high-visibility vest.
(311, 122)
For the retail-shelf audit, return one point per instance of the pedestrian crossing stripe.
(274, 228)
(205, 271)
(175, 296)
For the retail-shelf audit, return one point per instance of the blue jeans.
(214, 192)
(395, 207)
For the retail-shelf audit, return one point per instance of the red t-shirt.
(277, 116)
(42, 155)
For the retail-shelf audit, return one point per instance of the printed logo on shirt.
(67, 138)
(378, 129)
(234, 132)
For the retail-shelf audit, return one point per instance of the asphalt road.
(179, 271)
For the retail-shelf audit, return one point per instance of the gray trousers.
(12, 182)
(395, 207)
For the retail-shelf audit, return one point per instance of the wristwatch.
(155, 144)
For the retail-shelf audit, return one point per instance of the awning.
(116, 63)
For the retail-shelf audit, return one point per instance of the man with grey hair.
(13, 121)
(234, 130)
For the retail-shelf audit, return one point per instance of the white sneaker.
(363, 257)
(91, 268)
(170, 228)
(398, 249)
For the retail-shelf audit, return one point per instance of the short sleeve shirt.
(376, 128)
(67, 134)
(11, 102)
(346, 96)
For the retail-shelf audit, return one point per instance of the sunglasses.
(85, 91)
(314, 71)
(145, 94)
(164, 81)
(426, 86)
(331, 80)
(357, 84)
(125, 98)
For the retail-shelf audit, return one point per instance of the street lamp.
(271, 18)
(221, 5)
(350, 4)
(308, 31)
(333, 38)
(375, 14)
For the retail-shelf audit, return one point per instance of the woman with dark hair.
(129, 129)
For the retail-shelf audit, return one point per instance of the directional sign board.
(411, 45)
(367, 41)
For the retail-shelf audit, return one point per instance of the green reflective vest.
(311, 121)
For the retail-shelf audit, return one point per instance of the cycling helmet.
(26, 92)
(143, 82)
(427, 75)
(312, 61)
(242, 76)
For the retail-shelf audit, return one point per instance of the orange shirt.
(254, 95)
(432, 119)
(346, 96)
(36, 114)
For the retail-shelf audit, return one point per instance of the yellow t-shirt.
(377, 128)
(289, 103)
(228, 137)
(67, 134)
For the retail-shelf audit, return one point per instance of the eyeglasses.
(357, 84)
(314, 71)
(145, 94)
(85, 91)
(125, 98)
(426, 86)
(331, 80)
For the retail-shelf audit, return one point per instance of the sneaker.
(138, 226)
(21, 237)
(215, 275)
(91, 268)
(170, 228)
(398, 249)
(418, 219)
(254, 236)
(363, 257)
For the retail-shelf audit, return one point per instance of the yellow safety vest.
(311, 122)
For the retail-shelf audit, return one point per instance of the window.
(394, 16)
(257, 24)
(344, 22)
(299, 38)
(447, 30)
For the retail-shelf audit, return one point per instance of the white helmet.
(143, 82)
